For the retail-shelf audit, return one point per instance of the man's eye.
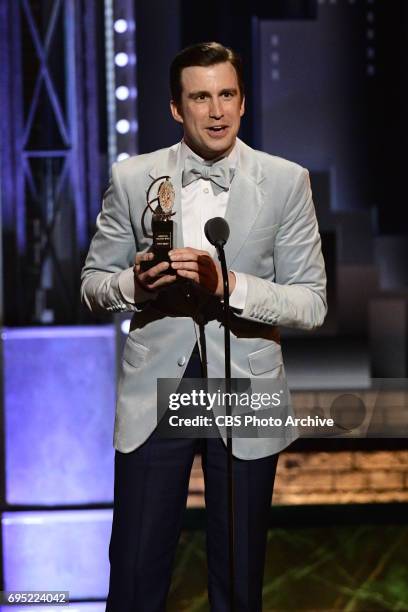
(227, 94)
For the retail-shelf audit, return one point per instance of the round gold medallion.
(166, 195)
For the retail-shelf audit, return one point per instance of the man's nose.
(216, 109)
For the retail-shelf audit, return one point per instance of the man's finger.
(187, 254)
(155, 270)
(186, 265)
(194, 276)
(204, 260)
(150, 276)
(167, 279)
(143, 257)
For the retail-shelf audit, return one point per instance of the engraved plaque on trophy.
(161, 223)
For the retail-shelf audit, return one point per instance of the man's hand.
(199, 267)
(150, 280)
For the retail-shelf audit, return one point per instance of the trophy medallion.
(161, 223)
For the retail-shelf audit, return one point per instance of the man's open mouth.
(217, 129)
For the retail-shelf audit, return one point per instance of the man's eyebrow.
(195, 94)
(233, 90)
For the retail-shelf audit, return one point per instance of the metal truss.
(47, 180)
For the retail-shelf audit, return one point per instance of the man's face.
(211, 109)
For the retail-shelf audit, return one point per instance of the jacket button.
(181, 360)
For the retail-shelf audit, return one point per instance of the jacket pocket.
(134, 353)
(265, 359)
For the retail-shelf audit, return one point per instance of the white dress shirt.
(198, 205)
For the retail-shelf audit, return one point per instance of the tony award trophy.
(162, 225)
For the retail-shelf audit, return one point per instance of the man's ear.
(242, 109)
(176, 112)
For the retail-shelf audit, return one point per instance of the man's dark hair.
(202, 54)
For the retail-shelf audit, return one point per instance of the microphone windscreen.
(217, 231)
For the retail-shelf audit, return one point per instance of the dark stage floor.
(353, 568)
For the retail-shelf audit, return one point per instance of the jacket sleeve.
(109, 263)
(297, 297)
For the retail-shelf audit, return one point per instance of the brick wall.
(338, 477)
(341, 477)
(330, 478)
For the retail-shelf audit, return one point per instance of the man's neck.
(211, 160)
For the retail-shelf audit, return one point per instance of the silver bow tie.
(220, 174)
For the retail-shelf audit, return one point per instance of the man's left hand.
(200, 267)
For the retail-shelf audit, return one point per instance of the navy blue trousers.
(150, 494)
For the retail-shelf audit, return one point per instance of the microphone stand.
(227, 348)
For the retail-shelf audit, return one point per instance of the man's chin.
(218, 149)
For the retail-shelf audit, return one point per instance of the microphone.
(217, 231)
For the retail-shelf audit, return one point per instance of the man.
(276, 278)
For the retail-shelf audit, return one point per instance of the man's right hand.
(150, 280)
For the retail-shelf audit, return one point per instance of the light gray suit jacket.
(274, 240)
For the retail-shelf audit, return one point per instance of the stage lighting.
(123, 126)
(121, 59)
(122, 92)
(121, 25)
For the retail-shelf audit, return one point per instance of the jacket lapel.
(245, 201)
